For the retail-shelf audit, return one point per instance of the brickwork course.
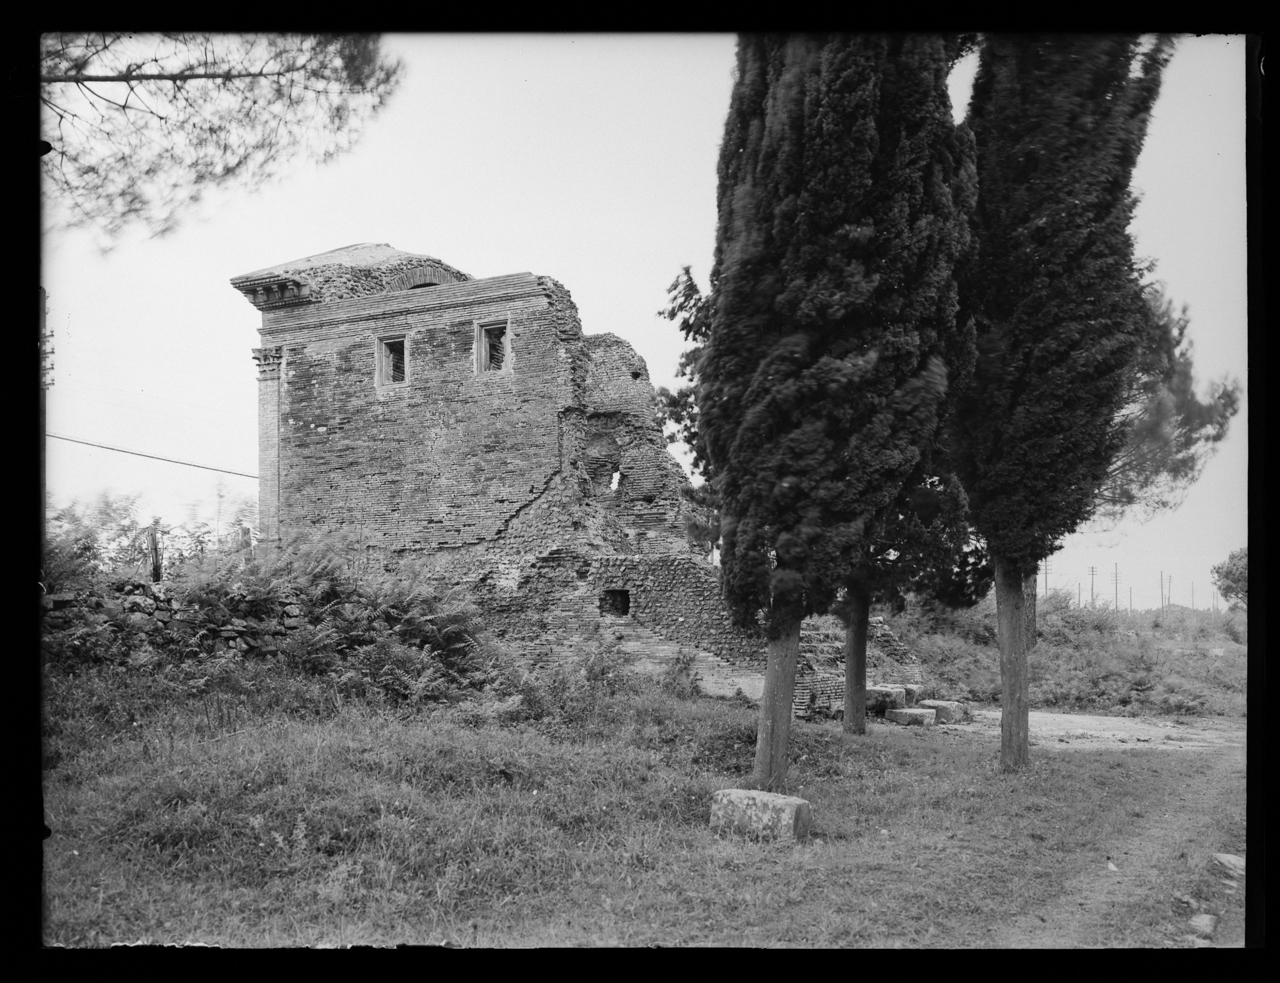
(470, 422)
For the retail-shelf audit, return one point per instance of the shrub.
(680, 678)
(1098, 620)
(1176, 695)
(83, 542)
(85, 643)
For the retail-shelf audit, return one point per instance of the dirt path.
(1083, 731)
(1078, 918)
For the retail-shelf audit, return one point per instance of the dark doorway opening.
(615, 602)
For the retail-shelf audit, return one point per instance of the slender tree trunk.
(775, 709)
(153, 540)
(857, 614)
(1029, 607)
(1015, 751)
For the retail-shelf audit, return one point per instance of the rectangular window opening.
(495, 347)
(615, 602)
(391, 361)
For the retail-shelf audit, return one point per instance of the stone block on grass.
(947, 711)
(1233, 863)
(911, 718)
(1204, 924)
(885, 698)
(764, 814)
(913, 691)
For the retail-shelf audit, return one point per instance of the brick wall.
(444, 458)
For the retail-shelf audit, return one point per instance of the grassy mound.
(1089, 659)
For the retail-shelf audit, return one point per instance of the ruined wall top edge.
(361, 270)
(513, 288)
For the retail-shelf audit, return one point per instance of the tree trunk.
(857, 614)
(1015, 751)
(775, 709)
(1029, 607)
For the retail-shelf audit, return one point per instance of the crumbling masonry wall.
(469, 422)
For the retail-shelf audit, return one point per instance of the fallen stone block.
(946, 711)
(911, 718)
(765, 814)
(1233, 863)
(1217, 653)
(1204, 924)
(913, 693)
(881, 699)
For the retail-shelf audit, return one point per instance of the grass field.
(264, 811)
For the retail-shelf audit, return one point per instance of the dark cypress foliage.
(1166, 433)
(843, 199)
(1056, 297)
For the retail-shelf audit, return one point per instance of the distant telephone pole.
(1092, 571)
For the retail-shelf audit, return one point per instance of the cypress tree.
(843, 201)
(1057, 301)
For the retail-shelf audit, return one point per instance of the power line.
(154, 457)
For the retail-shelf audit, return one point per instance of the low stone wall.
(142, 613)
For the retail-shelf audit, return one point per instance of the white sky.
(591, 159)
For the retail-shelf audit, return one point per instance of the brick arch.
(426, 275)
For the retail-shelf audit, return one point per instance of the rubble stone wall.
(143, 613)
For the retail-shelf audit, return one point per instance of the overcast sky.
(590, 159)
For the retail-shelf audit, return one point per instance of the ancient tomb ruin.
(472, 421)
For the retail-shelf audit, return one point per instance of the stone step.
(911, 718)
(947, 711)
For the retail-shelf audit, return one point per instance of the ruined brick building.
(472, 421)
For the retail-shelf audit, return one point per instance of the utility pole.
(1092, 571)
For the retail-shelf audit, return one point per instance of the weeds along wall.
(472, 422)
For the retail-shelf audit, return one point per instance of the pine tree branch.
(226, 76)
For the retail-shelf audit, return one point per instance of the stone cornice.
(271, 293)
